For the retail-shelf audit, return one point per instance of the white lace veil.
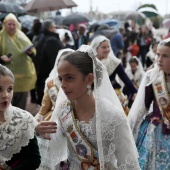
(109, 116)
(111, 62)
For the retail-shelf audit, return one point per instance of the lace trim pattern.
(88, 131)
(129, 162)
(15, 133)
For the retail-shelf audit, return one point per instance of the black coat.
(47, 50)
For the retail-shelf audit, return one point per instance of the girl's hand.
(44, 128)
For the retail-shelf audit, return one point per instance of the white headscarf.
(111, 62)
(115, 142)
(139, 72)
(54, 74)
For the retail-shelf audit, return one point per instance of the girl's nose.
(63, 84)
(159, 58)
(4, 94)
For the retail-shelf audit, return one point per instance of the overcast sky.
(108, 6)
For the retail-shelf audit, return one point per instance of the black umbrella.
(135, 15)
(12, 8)
(104, 30)
(74, 18)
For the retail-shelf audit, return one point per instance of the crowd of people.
(103, 95)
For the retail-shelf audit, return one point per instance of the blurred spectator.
(19, 60)
(47, 50)
(80, 37)
(150, 56)
(135, 72)
(144, 41)
(35, 34)
(133, 48)
(117, 42)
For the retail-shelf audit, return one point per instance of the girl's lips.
(4, 103)
(160, 65)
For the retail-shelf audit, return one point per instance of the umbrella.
(107, 33)
(12, 8)
(166, 22)
(2, 16)
(113, 23)
(149, 12)
(74, 18)
(135, 15)
(49, 5)
(105, 30)
(27, 21)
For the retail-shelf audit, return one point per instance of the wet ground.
(32, 107)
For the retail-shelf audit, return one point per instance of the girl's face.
(73, 83)
(6, 92)
(133, 66)
(163, 58)
(103, 50)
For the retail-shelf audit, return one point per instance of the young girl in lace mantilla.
(92, 129)
(18, 145)
(150, 113)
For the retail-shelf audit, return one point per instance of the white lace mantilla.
(15, 132)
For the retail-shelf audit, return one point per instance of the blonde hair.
(12, 17)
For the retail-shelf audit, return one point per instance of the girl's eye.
(166, 56)
(10, 89)
(60, 79)
(69, 78)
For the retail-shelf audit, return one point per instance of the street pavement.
(32, 107)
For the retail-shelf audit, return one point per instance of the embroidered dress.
(150, 122)
(88, 131)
